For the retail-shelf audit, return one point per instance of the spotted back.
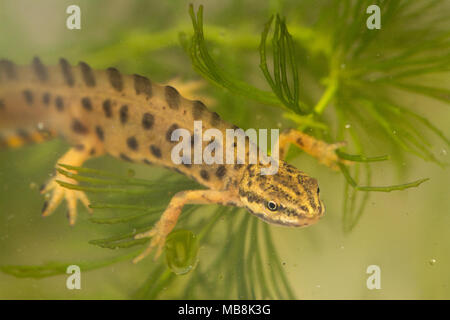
(127, 116)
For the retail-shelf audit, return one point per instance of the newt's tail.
(20, 137)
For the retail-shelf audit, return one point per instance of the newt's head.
(289, 197)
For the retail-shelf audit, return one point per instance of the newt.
(102, 112)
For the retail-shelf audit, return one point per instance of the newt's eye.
(318, 190)
(272, 206)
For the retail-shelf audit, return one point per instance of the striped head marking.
(289, 198)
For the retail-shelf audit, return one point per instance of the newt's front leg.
(75, 157)
(170, 216)
(319, 149)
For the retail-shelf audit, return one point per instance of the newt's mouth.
(321, 209)
(288, 221)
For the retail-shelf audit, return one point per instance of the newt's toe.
(56, 194)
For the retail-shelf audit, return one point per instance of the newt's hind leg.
(170, 216)
(319, 149)
(74, 157)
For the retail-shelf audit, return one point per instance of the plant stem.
(327, 95)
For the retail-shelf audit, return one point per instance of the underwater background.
(386, 92)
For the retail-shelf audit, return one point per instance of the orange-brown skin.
(131, 118)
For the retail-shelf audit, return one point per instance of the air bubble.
(181, 251)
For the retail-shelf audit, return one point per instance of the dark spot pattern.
(92, 152)
(142, 85)
(8, 68)
(125, 157)
(44, 207)
(204, 174)
(28, 95)
(24, 135)
(147, 161)
(198, 109)
(221, 171)
(172, 97)
(79, 127)
(46, 98)
(155, 151)
(215, 119)
(107, 108)
(86, 103)
(123, 114)
(88, 74)
(115, 78)
(59, 103)
(100, 133)
(40, 70)
(251, 196)
(67, 72)
(147, 121)
(169, 132)
(132, 143)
